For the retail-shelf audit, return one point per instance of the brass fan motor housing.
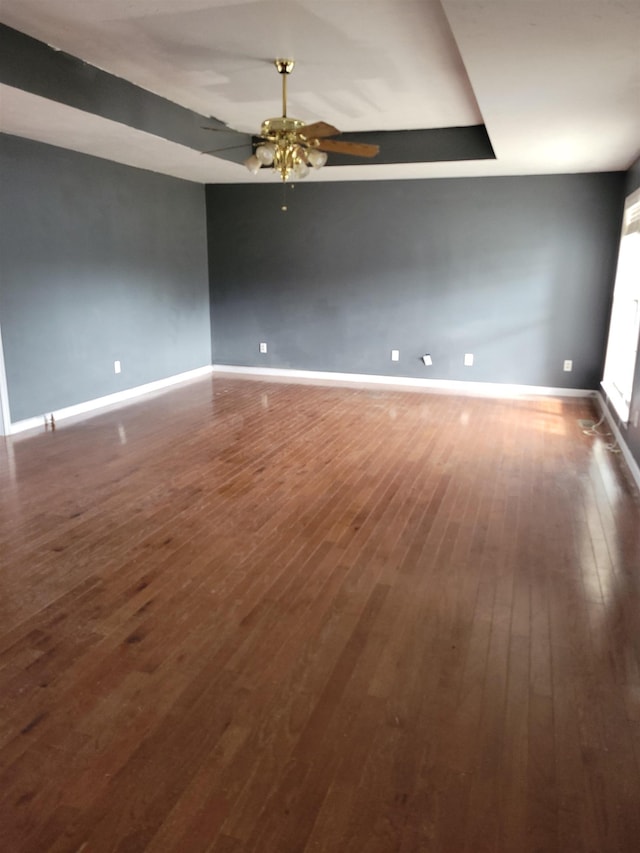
(273, 128)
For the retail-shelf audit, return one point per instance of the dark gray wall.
(98, 262)
(517, 271)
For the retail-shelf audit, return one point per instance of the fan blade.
(318, 130)
(355, 149)
(227, 148)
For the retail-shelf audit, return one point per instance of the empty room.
(319, 426)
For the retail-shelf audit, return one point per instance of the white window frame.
(624, 327)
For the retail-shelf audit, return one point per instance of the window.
(624, 330)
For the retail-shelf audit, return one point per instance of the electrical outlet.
(263, 347)
(568, 365)
(427, 360)
(468, 359)
(117, 367)
(395, 355)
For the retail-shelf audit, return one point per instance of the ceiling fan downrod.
(285, 67)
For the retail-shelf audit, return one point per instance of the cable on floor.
(611, 446)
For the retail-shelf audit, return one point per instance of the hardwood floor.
(250, 616)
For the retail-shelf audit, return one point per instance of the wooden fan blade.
(318, 130)
(355, 149)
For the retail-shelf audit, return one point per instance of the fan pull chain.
(284, 195)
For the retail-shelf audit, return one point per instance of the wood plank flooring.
(251, 616)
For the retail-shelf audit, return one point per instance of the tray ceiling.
(556, 83)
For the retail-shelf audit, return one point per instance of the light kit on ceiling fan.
(294, 148)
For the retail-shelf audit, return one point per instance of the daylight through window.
(624, 330)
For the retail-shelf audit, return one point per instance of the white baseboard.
(111, 399)
(632, 465)
(438, 386)
(441, 386)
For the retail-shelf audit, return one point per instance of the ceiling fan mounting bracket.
(284, 66)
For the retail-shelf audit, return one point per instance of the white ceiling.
(556, 82)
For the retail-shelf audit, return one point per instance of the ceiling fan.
(292, 147)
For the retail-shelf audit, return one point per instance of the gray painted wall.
(516, 270)
(98, 262)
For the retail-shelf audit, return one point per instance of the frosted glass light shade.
(253, 164)
(300, 170)
(316, 158)
(265, 153)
